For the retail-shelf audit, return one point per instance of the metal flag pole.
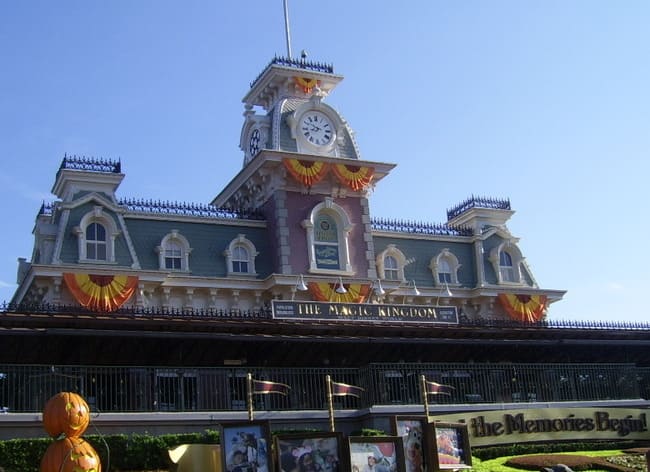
(249, 394)
(286, 28)
(330, 403)
(425, 397)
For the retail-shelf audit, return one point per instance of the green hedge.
(521, 449)
(117, 452)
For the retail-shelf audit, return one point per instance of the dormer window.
(96, 236)
(240, 256)
(506, 260)
(96, 242)
(390, 264)
(240, 259)
(174, 253)
(506, 268)
(444, 272)
(391, 269)
(444, 268)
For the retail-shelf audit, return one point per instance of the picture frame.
(415, 433)
(385, 452)
(246, 447)
(297, 451)
(451, 446)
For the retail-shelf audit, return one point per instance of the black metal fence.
(25, 388)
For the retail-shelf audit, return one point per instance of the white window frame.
(445, 256)
(516, 258)
(111, 230)
(241, 242)
(343, 226)
(391, 251)
(181, 241)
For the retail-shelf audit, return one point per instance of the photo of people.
(449, 446)
(376, 456)
(245, 448)
(309, 453)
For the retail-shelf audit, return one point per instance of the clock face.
(254, 142)
(317, 128)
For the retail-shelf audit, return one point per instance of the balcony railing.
(25, 388)
(233, 314)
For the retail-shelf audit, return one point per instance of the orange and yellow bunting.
(355, 177)
(101, 293)
(326, 292)
(306, 172)
(306, 84)
(529, 308)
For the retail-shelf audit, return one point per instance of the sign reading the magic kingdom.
(292, 310)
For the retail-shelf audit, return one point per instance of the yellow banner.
(489, 428)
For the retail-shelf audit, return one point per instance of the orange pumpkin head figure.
(70, 455)
(66, 413)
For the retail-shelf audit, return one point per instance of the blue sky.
(546, 103)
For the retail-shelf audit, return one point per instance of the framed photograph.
(245, 447)
(376, 454)
(451, 446)
(414, 433)
(304, 452)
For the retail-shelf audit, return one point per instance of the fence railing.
(25, 388)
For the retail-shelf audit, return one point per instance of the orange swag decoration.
(528, 308)
(101, 293)
(326, 292)
(355, 177)
(306, 172)
(306, 84)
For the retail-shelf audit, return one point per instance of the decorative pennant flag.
(527, 308)
(307, 173)
(341, 389)
(266, 386)
(101, 293)
(326, 292)
(355, 177)
(434, 388)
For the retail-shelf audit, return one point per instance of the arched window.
(240, 256)
(327, 232)
(444, 268)
(390, 264)
(506, 260)
(506, 268)
(240, 259)
(174, 252)
(391, 269)
(444, 271)
(96, 236)
(96, 242)
(173, 255)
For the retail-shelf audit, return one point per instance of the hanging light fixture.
(301, 286)
(379, 290)
(340, 289)
(416, 292)
(447, 293)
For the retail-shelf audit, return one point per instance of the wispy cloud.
(615, 287)
(17, 186)
(4, 284)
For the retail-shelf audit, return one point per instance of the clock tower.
(303, 171)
